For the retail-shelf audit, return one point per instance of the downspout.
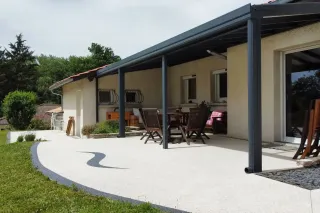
(61, 99)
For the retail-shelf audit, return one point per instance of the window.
(106, 96)
(219, 86)
(189, 88)
(133, 96)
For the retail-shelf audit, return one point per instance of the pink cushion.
(215, 114)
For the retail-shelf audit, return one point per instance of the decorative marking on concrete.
(97, 158)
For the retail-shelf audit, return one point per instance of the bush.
(100, 128)
(88, 129)
(38, 124)
(110, 126)
(19, 108)
(20, 138)
(30, 137)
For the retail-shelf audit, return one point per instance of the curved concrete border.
(65, 181)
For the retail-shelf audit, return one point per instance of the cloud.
(67, 27)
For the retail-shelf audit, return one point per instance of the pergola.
(247, 24)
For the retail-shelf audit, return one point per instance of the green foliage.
(21, 70)
(19, 108)
(53, 69)
(17, 68)
(20, 138)
(24, 189)
(30, 137)
(39, 124)
(101, 128)
(107, 127)
(102, 55)
(88, 129)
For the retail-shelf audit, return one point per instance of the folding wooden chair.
(193, 126)
(152, 124)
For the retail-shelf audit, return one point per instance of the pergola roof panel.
(220, 34)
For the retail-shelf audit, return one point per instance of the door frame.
(78, 113)
(283, 54)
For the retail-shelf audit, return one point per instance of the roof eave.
(60, 83)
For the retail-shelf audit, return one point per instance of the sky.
(68, 27)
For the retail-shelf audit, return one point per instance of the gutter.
(282, 2)
(60, 83)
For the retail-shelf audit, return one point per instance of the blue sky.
(67, 27)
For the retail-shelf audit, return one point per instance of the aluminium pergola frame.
(252, 14)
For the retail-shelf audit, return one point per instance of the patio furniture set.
(182, 126)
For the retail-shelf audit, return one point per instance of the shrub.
(110, 126)
(20, 138)
(88, 129)
(38, 124)
(19, 108)
(30, 137)
(100, 128)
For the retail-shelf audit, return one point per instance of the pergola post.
(254, 96)
(164, 102)
(121, 83)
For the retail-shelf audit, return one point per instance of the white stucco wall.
(85, 90)
(271, 100)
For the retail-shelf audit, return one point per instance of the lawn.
(24, 189)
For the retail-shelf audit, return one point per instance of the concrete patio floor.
(196, 178)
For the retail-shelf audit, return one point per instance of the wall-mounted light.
(217, 54)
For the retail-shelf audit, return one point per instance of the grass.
(24, 189)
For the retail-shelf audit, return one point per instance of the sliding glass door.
(302, 84)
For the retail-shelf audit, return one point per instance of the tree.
(53, 69)
(22, 65)
(19, 108)
(102, 55)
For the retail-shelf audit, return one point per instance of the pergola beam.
(274, 10)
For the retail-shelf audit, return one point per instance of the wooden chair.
(204, 115)
(152, 124)
(193, 126)
(141, 118)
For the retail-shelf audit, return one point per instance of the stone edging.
(67, 182)
(115, 135)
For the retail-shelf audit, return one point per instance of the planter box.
(115, 135)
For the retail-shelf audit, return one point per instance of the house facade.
(220, 79)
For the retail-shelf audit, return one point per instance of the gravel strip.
(307, 178)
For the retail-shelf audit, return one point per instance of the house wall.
(271, 82)
(203, 69)
(85, 90)
(147, 81)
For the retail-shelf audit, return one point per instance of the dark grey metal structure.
(121, 83)
(249, 24)
(164, 102)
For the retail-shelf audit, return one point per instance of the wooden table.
(177, 116)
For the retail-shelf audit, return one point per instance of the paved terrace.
(196, 178)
